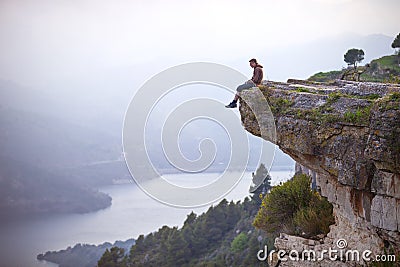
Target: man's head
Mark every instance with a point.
(253, 62)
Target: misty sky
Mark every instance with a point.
(43, 40)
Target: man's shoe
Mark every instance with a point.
(231, 105)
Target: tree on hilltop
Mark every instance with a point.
(396, 46)
(396, 42)
(354, 56)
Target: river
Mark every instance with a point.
(132, 213)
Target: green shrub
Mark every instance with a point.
(294, 208)
(394, 96)
(314, 219)
(333, 97)
(361, 115)
(371, 96)
(304, 90)
(239, 243)
(390, 102)
(280, 105)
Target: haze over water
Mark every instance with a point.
(131, 214)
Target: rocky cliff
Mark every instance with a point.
(348, 134)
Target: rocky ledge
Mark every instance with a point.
(348, 134)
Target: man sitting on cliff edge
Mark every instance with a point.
(255, 81)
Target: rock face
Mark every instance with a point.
(348, 135)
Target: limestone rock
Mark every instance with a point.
(347, 134)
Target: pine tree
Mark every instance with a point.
(261, 184)
(115, 257)
(354, 56)
(396, 46)
(177, 252)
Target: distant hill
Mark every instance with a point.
(383, 69)
(26, 191)
(47, 161)
(83, 255)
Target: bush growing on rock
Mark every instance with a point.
(293, 207)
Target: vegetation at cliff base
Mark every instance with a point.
(222, 236)
(113, 257)
(85, 255)
(225, 235)
(294, 208)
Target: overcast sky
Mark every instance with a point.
(47, 39)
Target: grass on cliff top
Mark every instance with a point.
(390, 102)
(388, 62)
(332, 97)
(395, 96)
(325, 113)
(361, 115)
(326, 76)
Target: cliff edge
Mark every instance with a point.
(348, 133)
